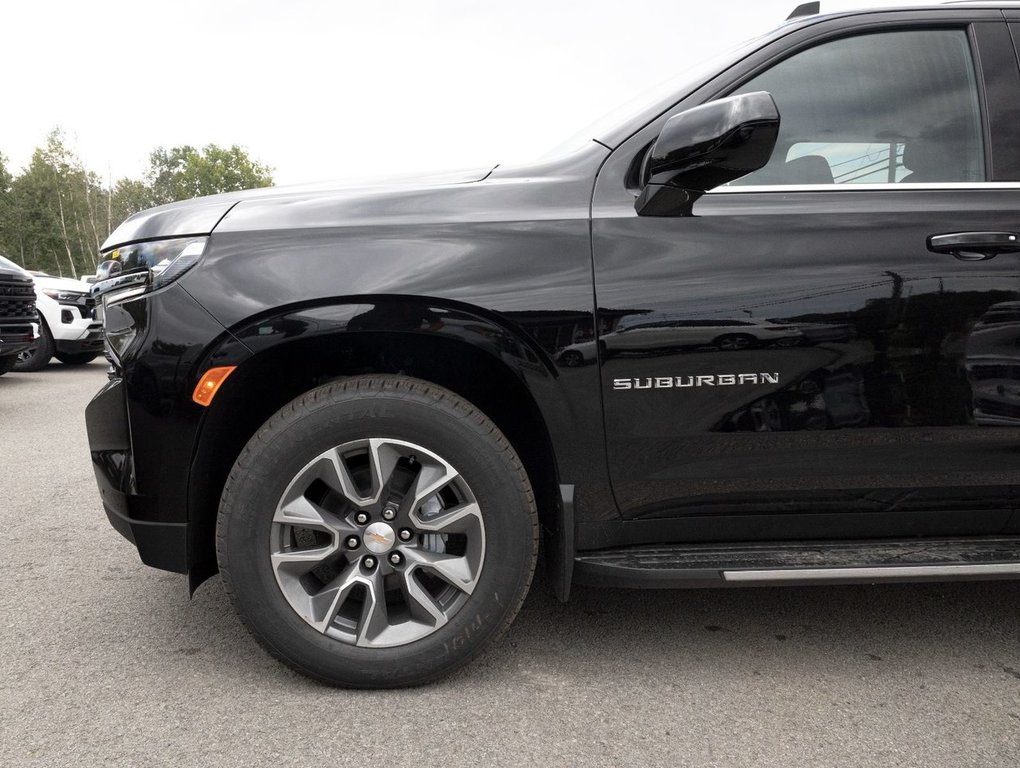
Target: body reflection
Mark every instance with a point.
(993, 365)
(867, 373)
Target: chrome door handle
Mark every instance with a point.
(975, 246)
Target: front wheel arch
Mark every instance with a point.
(265, 383)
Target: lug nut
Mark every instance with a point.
(369, 562)
(389, 513)
(352, 542)
(395, 558)
(361, 518)
(405, 534)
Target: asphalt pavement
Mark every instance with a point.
(104, 661)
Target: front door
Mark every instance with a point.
(800, 348)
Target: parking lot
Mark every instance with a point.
(106, 661)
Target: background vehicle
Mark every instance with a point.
(17, 314)
(655, 333)
(993, 367)
(354, 403)
(68, 328)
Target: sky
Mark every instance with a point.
(323, 90)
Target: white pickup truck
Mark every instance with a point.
(68, 328)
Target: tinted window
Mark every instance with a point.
(892, 107)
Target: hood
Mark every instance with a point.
(61, 283)
(9, 267)
(200, 216)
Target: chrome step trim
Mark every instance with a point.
(884, 572)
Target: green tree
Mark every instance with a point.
(59, 212)
(7, 229)
(56, 213)
(129, 197)
(183, 172)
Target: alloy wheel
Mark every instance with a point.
(377, 542)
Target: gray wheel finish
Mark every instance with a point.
(473, 545)
(36, 357)
(399, 574)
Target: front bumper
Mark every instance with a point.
(91, 341)
(160, 544)
(17, 338)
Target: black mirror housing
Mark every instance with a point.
(705, 147)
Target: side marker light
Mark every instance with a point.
(210, 384)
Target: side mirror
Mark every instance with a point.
(704, 147)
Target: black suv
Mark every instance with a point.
(18, 315)
(354, 403)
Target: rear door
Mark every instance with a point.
(853, 370)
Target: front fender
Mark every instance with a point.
(322, 340)
(545, 411)
(420, 316)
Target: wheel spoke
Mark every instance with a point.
(423, 607)
(300, 561)
(452, 569)
(433, 476)
(325, 603)
(375, 618)
(300, 512)
(464, 518)
(342, 477)
(383, 456)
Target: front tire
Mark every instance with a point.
(377, 532)
(36, 357)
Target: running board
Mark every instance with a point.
(718, 565)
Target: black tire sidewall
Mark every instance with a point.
(331, 417)
(41, 352)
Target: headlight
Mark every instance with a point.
(168, 259)
(69, 297)
(134, 269)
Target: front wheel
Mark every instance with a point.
(377, 532)
(37, 357)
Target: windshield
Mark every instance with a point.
(665, 94)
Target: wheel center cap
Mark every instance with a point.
(379, 538)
